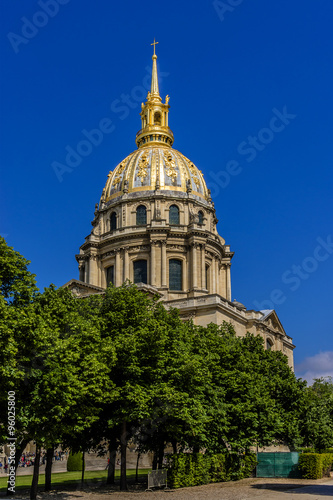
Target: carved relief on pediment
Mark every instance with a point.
(273, 324)
(78, 291)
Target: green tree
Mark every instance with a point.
(17, 284)
(152, 373)
(58, 366)
(317, 415)
(72, 382)
(17, 290)
(252, 394)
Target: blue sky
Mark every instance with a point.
(250, 85)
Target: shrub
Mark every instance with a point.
(327, 459)
(74, 462)
(201, 466)
(217, 468)
(186, 469)
(306, 450)
(315, 465)
(327, 450)
(248, 465)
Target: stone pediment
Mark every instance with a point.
(81, 289)
(271, 320)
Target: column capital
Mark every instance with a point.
(195, 244)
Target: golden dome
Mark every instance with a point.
(155, 166)
(152, 168)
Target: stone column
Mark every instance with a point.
(228, 279)
(203, 267)
(117, 270)
(217, 272)
(86, 270)
(213, 275)
(93, 271)
(163, 264)
(126, 264)
(194, 266)
(152, 263)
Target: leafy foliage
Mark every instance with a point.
(74, 462)
(17, 284)
(315, 465)
(121, 367)
(317, 414)
(186, 469)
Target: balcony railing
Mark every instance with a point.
(155, 129)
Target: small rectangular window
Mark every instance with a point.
(110, 275)
(140, 271)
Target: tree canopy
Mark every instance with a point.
(121, 367)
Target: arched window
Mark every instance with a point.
(269, 345)
(110, 275)
(174, 214)
(175, 274)
(113, 221)
(201, 217)
(141, 215)
(140, 271)
(157, 118)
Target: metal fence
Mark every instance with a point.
(278, 464)
(157, 479)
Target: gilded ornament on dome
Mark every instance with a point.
(120, 170)
(143, 167)
(170, 166)
(193, 171)
(192, 168)
(196, 182)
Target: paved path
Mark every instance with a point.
(247, 489)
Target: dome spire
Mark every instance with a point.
(154, 115)
(154, 76)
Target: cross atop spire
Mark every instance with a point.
(154, 78)
(155, 43)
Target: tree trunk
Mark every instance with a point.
(160, 455)
(123, 446)
(48, 468)
(19, 451)
(196, 449)
(34, 484)
(174, 446)
(137, 469)
(112, 463)
(154, 466)
(83, 467)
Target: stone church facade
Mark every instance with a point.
(155, 225)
